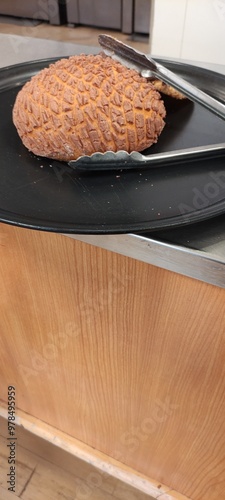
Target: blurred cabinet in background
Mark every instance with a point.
(141, 16)
(129, 16)
(53, 11)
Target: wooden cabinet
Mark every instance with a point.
(124, 356)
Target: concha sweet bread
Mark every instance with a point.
(167, 89)
(87, 103)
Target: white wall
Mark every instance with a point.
(188, 29)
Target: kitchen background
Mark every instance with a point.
(185, 29)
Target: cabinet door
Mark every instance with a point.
(72, 11)
(127, 16)
(142, 16)
(100, 13)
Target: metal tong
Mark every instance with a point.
(149, 68)
(121, 160)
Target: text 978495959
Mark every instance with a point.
(11, 438)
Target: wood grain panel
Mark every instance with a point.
(124, 356)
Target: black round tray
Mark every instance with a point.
(47, 195)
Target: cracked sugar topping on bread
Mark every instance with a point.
(85, 104)
(167, 90)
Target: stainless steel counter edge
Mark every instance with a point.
(188, 262)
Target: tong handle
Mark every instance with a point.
(197, 152)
